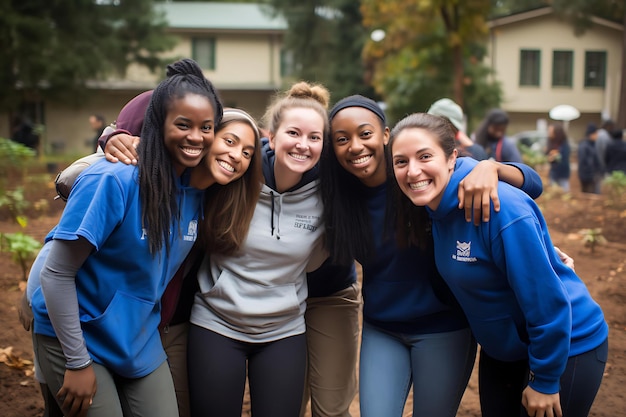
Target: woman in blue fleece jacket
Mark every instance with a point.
(537, 325)
(97, 310)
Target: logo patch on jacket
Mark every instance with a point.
(306, 222)
(192, 231)
(463, 250)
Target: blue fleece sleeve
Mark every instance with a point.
(532, 181)
(523, 250)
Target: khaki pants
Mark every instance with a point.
(174, 340)
(332, 331)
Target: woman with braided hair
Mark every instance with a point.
(116, 247)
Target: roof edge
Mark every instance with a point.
(544, 11)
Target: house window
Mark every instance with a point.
(595, 68)
(529, 67)
(286, 63)
(203, 52)
(562, 68)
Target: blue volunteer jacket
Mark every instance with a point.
(520, 299)
(120, 285)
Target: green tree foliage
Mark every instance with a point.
(508, 7)
(432, 49)
(325, 39)
(52, 48)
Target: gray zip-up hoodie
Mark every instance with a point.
(259, 295)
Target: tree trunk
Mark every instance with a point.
(621, 110)
(459, 74)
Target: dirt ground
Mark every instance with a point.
(603, 270)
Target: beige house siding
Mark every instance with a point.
(542, 30)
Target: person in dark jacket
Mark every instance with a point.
(589, 167)
(23, 131)
(491, 135)
(615, 157)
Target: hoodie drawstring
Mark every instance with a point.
(272, 214)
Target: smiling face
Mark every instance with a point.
(421, 166)
(359, 138)
(188, 130)
(231, 152)
(297, 144)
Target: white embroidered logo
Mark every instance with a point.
(144, 234)
(463, 252)
(192, 231)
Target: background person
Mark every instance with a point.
(616, 153)
(97, 122)
(491, 135)
(447, 108)
(605, 135)
(23, 132)
(589, 168)
(558, 154)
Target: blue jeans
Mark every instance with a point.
(438, 365)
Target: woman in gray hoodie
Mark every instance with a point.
(248, 317)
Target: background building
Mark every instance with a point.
(542, 63)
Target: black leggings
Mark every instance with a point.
(501, 384)
(217, 375)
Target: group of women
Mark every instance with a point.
(246, 247)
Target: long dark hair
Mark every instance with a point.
(494, 117)
(157, 181)
(413, 222)
(346, 215)
(558, 137)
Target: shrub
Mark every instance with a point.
(615, 184)
(13, 159)
(531, 157)
(16, 203)
(23, 249)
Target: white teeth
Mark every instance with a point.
(226, 166)
(419, 185)
(298, 156)
(192, 151)
(361, 159)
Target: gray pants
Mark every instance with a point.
(149, 396)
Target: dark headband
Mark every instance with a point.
(357, 101)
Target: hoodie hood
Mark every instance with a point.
(268, 168)
(450, 200)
